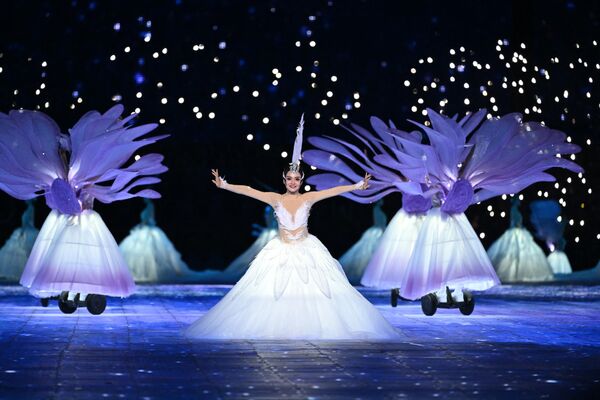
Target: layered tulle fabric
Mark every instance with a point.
(14, 253)
(79, 254)
(517, 257)
(447, 253)
(151, 256)
(293, 290)
(559, 262)
(388, 264)
(40, 248)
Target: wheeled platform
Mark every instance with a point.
(95, 303)
(430, 303)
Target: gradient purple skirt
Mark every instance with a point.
(388, 264)
(79, 254)
(447, 253)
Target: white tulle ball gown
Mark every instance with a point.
(149, 253)
(559, 262)
(355, 260)
(14, 253)
(294, 289)
(516, 256)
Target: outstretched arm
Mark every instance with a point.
(265, 197)
(336, 191)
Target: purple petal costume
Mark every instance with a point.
(75, 250)
(465, 162)
(473, 161)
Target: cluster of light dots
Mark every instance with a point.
(333, 106)
(313, 83)
(39, 91)
(326, 85)
(477, 81)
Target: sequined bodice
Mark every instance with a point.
(292, 226)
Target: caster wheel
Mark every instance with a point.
(44, 302)
(67, 307)
(95, 303)
(429, 304)
(395, 294)
(468, 306)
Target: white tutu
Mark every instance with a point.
(151, 256)
(388, 264)
(14, 253)
(293, 291)
(78, 254)
(447, 253)
(559, 262)
(518, 258)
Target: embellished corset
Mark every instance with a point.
(292, 227)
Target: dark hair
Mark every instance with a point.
(287, 169)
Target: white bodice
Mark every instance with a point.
(292, 226)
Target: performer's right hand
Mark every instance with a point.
(217, 179)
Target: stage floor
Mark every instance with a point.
(520, 342)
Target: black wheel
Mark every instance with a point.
(429, 304)
(95, 303)
(395, 294)
(468, 306)
(44, 302)
(67, 307)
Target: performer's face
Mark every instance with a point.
(292, 182)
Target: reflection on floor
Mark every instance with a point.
(521, 342)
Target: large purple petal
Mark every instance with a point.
(459, 198)
(415, 204)
(62, 197)
(29, 158)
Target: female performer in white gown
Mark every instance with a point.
(294, 289)
(14, 253)
(516, 256)
(150, 255)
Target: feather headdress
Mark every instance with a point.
(296, 154)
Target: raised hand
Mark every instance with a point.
(366, 180)
(217, 180)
